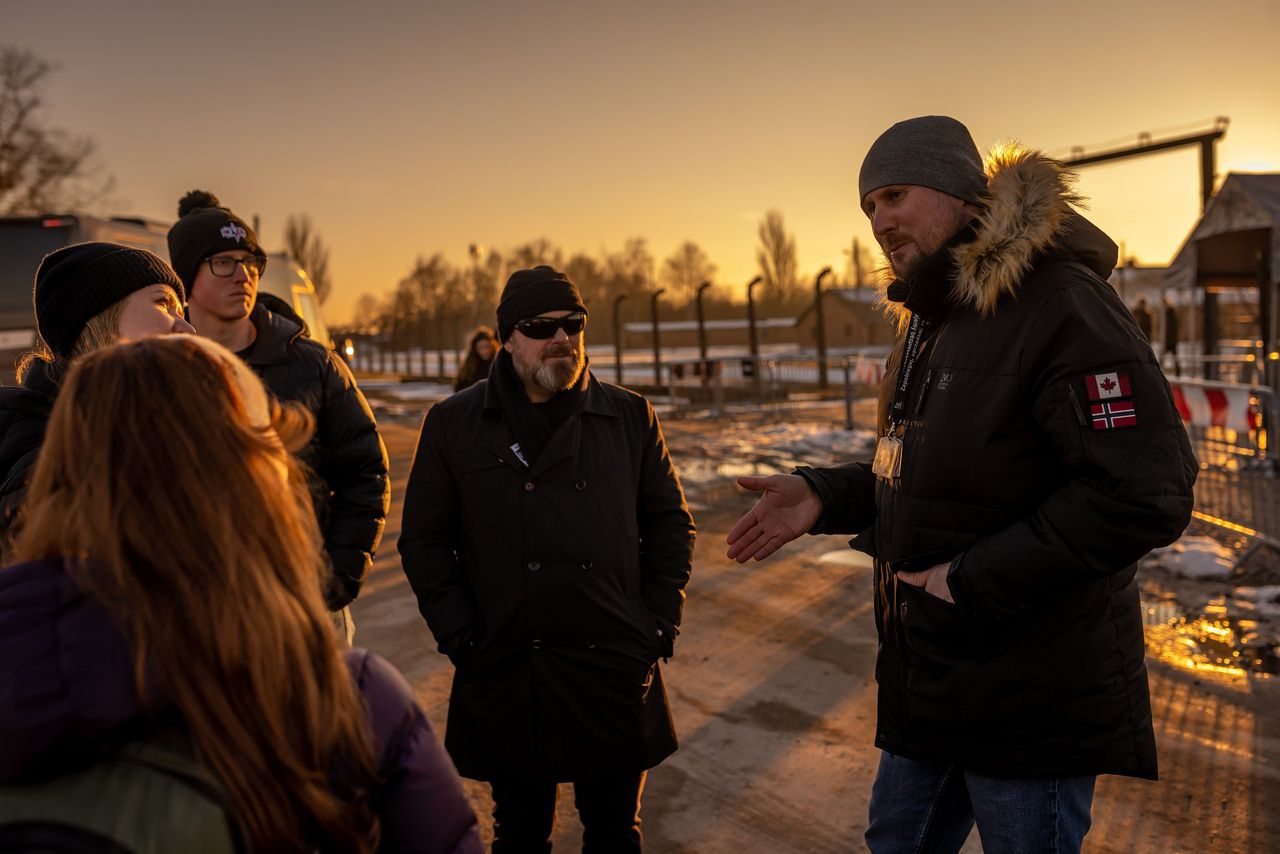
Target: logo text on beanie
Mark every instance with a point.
(235, 231)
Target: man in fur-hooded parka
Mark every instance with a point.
(1039, 456)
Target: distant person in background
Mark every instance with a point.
(1171, 334)
(87, 296)
(1143, 317)
(170, 677)
(480, 353)
(218, 258)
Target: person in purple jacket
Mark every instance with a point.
(168, 625)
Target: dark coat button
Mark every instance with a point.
(535, 644)
(534, 566)
(528, 486)
(586, 564)
(580, 485)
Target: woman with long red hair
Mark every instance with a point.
(170, 605)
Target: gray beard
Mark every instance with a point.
(553, 377)
(556, 377)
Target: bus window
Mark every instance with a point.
(22, 244)
(304, 302)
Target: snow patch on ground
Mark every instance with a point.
(1201, 558)
(406, 391)
(717, 457)
(1265, 600)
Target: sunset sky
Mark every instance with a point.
(411, 128)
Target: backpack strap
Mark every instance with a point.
(149, 796)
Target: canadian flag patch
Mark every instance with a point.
(1108, 385)
(1113, 416)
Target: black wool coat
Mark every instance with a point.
(548, 586)
(1042, 457)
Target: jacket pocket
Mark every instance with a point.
(938, 632)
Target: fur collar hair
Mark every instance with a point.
(1027, 213)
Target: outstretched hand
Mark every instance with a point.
(787, 509)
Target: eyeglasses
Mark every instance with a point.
(222, 266)
(545, 327)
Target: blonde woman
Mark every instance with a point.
(87, 296)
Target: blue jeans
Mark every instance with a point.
(926, 807)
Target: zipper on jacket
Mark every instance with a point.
(928, 381)
(1075, 405)
(905, 666)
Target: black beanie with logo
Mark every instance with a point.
(76, 283)
(205, 228)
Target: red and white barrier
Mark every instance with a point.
(868, 370)
(1230, 407)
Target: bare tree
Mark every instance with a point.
(427, 285)
(534, 253)
(631, 270)
(488, 271)
(586, 272)
(776, 257)
(687, 268)
(862, 268)
(42, 169)
(367, 312)
(305, 246)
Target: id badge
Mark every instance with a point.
(888, 460)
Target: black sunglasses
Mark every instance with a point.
(545, 327)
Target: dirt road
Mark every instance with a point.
(773, 695)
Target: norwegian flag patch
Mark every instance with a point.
(1113, 416)
(1108, 385)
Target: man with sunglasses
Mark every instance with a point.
(218, 258)
(529, 500)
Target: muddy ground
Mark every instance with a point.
(773, 694)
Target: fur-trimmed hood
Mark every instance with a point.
(1029, 215)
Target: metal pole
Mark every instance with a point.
(822, 327)
(440, 336)
(459, 323)
(1265, 286)
(423, 322)
(751, 330)
(657, 352)
(617, 337)
(1208, 168)
(857, 267)
(702, 332)
(848, 394)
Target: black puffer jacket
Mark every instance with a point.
(24, 414)
(1022, 470)
(346, 453)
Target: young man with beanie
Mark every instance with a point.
(547, 539)
(86, 296)
(219, 259)
(1029, 455)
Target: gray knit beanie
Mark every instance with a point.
(929, 151)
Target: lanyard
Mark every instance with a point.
(910, 355)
